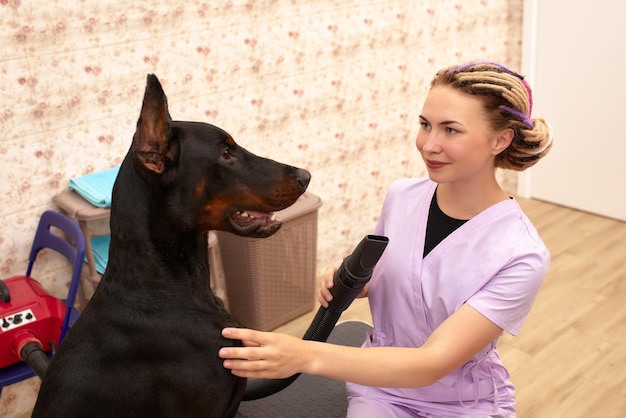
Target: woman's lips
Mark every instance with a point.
(433, 165)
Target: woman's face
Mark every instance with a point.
(455, 138)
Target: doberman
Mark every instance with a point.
(146, 344)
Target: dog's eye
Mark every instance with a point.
(226, 154)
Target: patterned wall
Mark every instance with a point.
(334, 86)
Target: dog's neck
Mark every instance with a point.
(147, 255)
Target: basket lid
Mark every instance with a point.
(306, 203)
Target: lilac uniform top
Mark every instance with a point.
(495, 262)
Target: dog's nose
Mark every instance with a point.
(303, 177)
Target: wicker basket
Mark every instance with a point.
(271, 281)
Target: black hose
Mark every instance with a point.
(33, 354)
(351, 276)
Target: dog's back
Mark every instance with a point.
(146, 344)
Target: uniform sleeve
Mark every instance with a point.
(506, 299)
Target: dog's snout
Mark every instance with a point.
(303, 177)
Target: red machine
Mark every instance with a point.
(28, 314)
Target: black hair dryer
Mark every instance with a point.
(351, 276)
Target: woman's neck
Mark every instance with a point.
(464, 201)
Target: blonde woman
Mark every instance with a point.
(463, 265)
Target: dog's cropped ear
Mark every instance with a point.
(152, 147)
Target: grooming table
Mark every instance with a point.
(310, 396)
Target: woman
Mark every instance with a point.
(463, 264)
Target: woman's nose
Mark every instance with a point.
(429, 143)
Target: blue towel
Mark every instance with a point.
(100, 250)
(97, 187)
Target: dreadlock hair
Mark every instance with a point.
(507, 101)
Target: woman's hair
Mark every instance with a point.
(507, 100)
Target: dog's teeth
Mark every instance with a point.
(274, 217)
(245, 214)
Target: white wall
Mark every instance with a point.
(575, 58)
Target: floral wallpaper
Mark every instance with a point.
(334, 86)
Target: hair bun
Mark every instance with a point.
(527, 147)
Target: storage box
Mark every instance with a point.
(270, 281)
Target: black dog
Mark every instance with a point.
(146, 344)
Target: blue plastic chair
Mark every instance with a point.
(74, 251)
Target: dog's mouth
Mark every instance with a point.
(255, 224)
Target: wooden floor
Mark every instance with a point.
(569, 360)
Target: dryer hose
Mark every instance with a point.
(349, 279)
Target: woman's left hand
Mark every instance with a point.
(266, 355)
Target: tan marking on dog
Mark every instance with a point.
(200, 188)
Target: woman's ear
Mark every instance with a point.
(503, 140)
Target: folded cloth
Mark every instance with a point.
(97, 187)
(100, 250)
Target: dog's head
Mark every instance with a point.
(204, 179)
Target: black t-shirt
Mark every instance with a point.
(439, 226)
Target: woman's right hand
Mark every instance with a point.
(323, 293)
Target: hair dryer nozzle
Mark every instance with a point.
(355, 271)
(365, 256)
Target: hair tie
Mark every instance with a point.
(475, 63)
(527, 121)
(530, 95)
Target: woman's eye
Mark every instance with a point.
(451, 131)
(424, 125)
